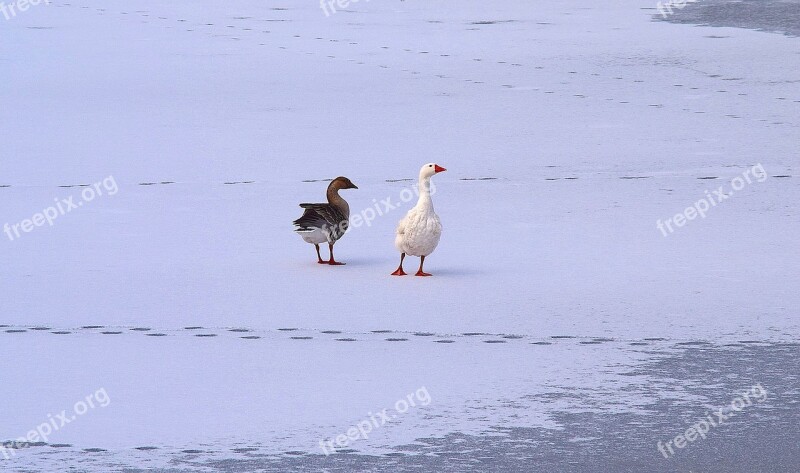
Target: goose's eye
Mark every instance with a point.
(430, 165)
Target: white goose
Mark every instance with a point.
(419, 231)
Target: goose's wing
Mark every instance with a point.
(311, 219)
(325, 217)
(402, 225)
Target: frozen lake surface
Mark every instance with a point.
(582, 312)
(774, 16)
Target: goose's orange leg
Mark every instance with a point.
(319, 257)
(332, 261)
(399, 271)
(421, 272)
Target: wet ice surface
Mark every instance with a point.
(561, 331)
(763, 438)
(772, 16)
(612, 426)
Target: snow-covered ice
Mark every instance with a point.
(568, 130)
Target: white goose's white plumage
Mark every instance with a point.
(419, 231)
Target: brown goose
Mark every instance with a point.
(322, 223)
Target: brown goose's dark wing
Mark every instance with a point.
(311, 219)
(324, 217)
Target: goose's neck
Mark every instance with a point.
(425, 193)
(337, 201)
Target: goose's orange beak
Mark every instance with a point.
(438, 168)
